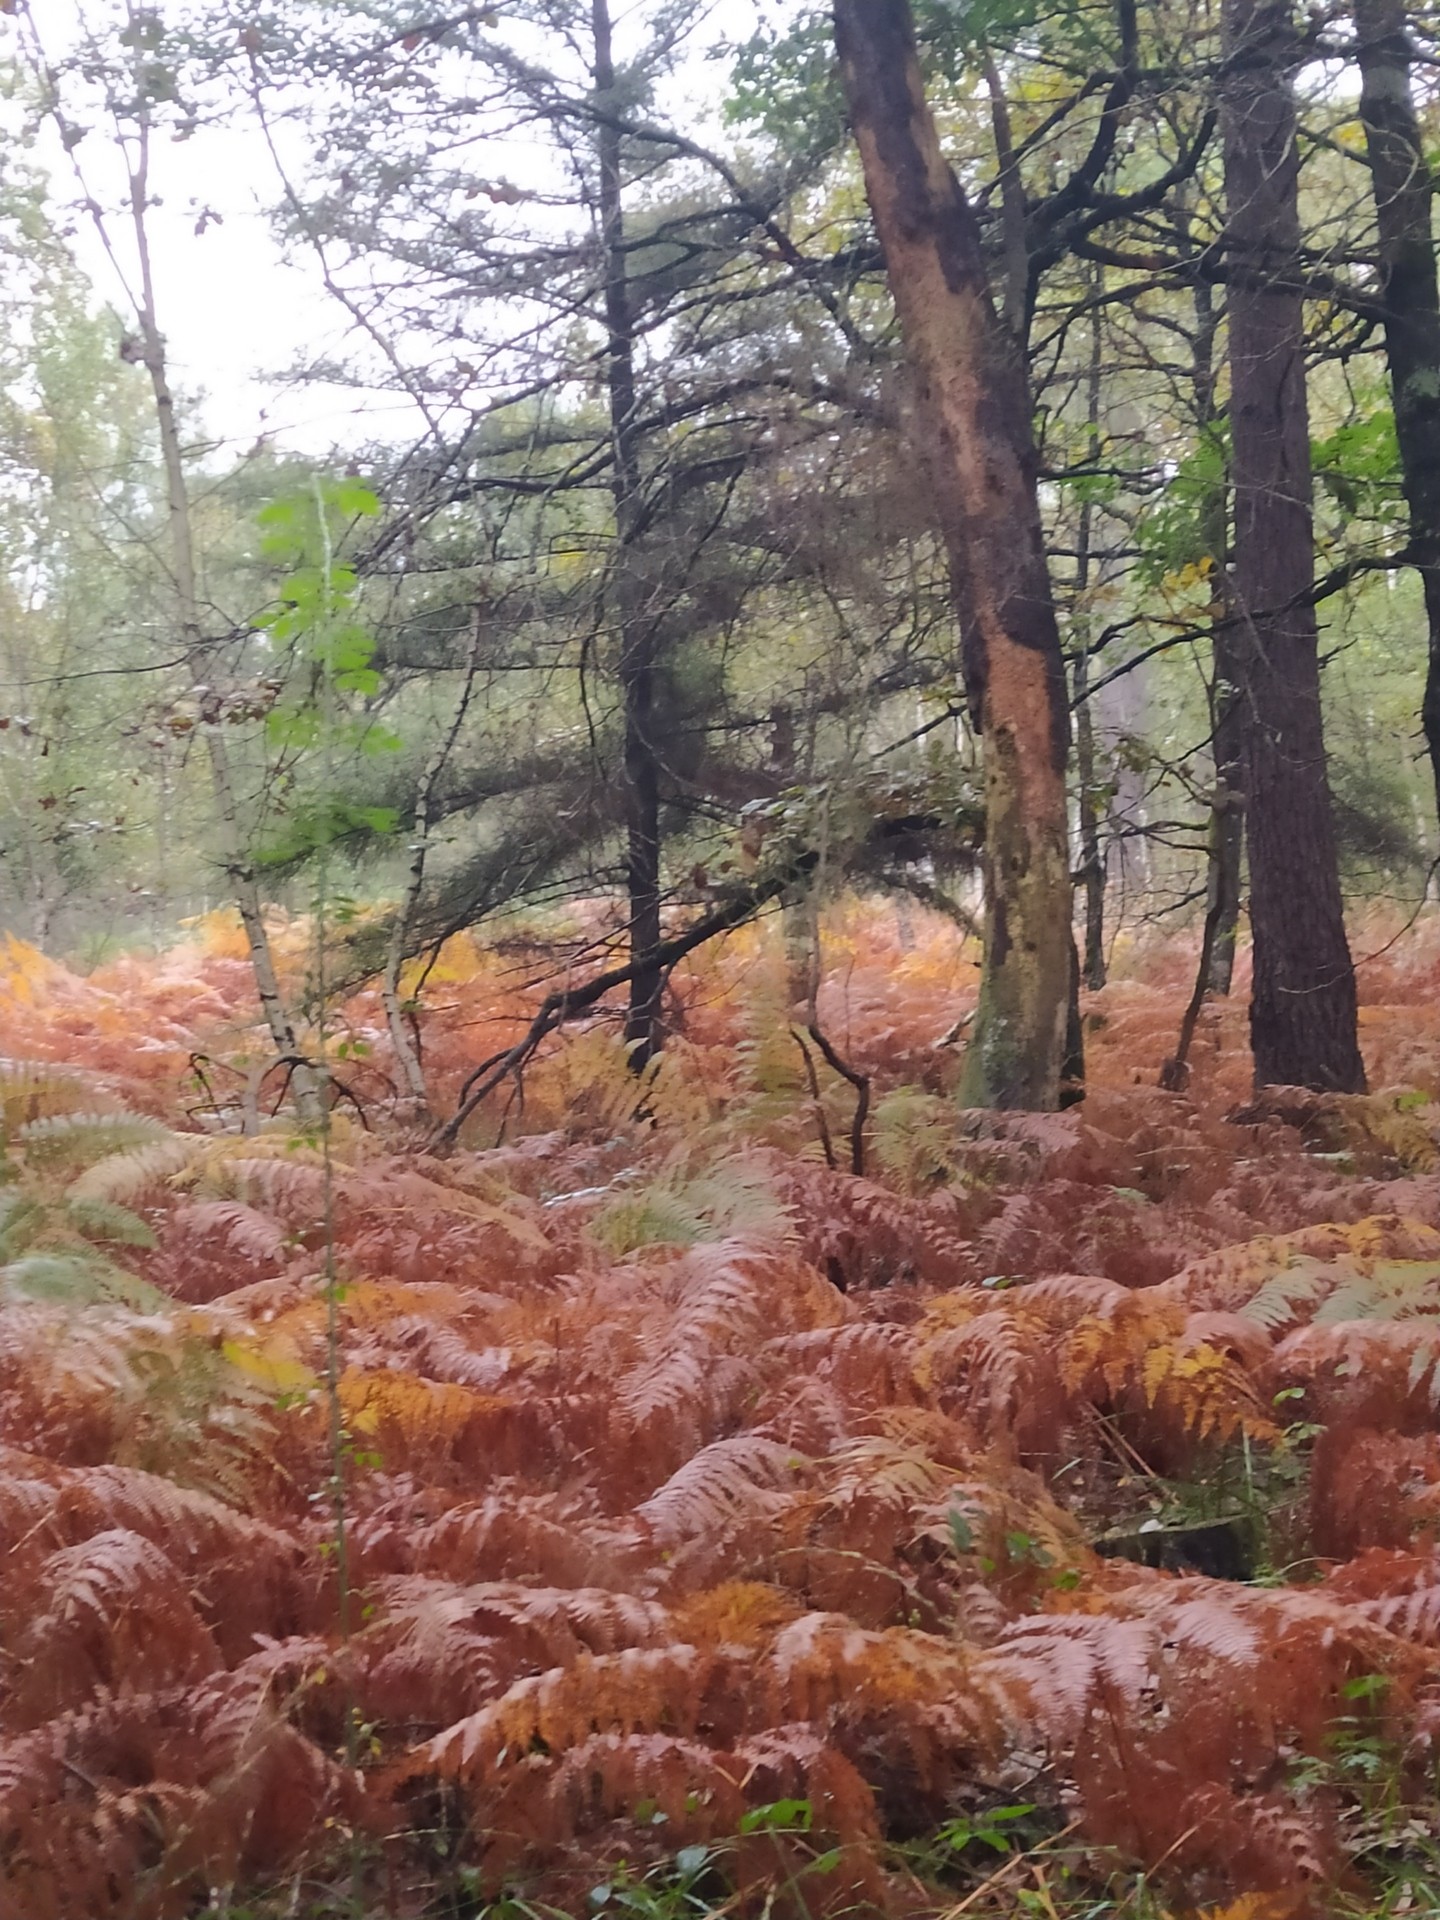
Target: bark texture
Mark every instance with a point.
(1404, 189)
(1302, 1010)
(638, 627)
(974, 416)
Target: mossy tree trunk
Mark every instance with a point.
(973, 411)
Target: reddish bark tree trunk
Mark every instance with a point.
(973, 411)
(1302, 1009)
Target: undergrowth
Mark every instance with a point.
(1042, 1519)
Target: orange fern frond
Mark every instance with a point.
(116, 1614)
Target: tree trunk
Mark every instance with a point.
(1227, 730)
(1302, 1009)
(1092, 853)
(973, 406)
(1403, 189)
(236, 860)
(403, 1042)
(638, 630)
(1226, 857)
(1091, 808)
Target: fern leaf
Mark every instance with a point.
(127, 1173)
(105, 1220)
(116, 1615)
(76, 1280)
(727, 1481)
(71, 1138)
(632, 1693)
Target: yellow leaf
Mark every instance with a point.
(272, 1367)
(1256, 1906)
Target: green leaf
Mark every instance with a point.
(780, 1816)
(962, 1534)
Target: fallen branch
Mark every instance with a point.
(567, 1002)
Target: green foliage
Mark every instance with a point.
(325, 704)
(311, 824)
(1358, 465)
(783, 82)
(915, 1139)
(728, 1200)
(317, 597)
(1179, 531)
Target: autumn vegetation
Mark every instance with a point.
(720, 1024)
(639, 1482)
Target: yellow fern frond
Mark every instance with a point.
(418, 1414)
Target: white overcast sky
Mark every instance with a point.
(236, 313)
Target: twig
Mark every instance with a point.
(822, 1122)
(567, 1002)
(861, 1083)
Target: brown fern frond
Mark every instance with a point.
(135, 1807)
(862, 1234)
(1378, 1133)
(1372, 1488)
(1229, 1281)
(729, 1480)
(999, 1369)
(1373, 1373)
(116, 1615)
(511, 1536)
(286, 1183)
(867, 1364)
(822, 1661)
(1399, 1591)
(544, 1805)
(723, 1299)
(668, 1689)
(696, 1791)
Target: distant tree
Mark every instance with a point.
(1404, 196)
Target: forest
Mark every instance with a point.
(719, 960)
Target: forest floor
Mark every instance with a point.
(652, 1514)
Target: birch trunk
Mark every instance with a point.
(235, 861)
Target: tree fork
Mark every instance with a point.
(973, 407)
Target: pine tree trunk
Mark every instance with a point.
(973, 408)
(1302, 1010)
(1403, 188)
(638, 629)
